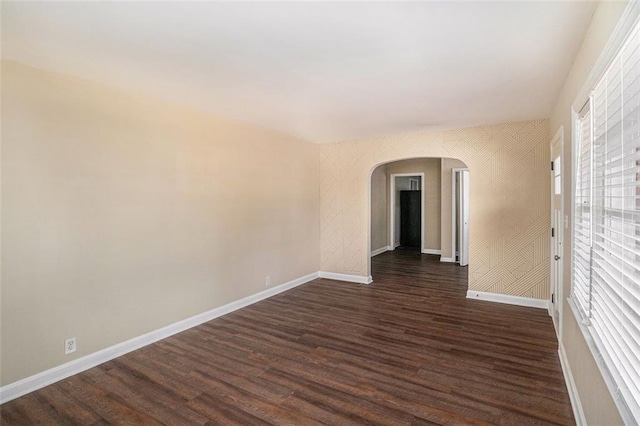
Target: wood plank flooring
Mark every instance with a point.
(407, 349)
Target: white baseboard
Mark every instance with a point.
(45, 378)
(431, 251)
(510, 300)
(396, 245)
(344, 277)
(576, 404)
(380, 250)
(447, 259)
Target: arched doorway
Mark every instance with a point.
(442, 222)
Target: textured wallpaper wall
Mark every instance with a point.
(379, 208)
(509, 201)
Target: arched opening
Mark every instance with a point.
(441, 185)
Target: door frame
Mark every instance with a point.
(392, 204)
(557, 287)
(454, 213)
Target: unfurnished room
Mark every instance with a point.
(300, 213)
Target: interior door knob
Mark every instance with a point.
(556, 257)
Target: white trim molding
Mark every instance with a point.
(380, 250)
(345, 277)
(455, 250)
(447, 259)
(576, 404)
(507, 299)
(555, 283)
(47, 377)
(584, 326)
(431, 251)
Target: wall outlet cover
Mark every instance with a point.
(69, 346)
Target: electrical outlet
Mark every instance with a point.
(267, 282)
(69, 346)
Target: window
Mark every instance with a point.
(581, 290)
(557, 176)
(606, 242)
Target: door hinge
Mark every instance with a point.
(552, 166)
(553, 232)
(553, 298)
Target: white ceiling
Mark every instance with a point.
(320, 71)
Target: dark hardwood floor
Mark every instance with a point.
(407, 349)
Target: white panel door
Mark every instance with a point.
(557, 230)
(463, 217)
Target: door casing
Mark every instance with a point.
(392, 204)
(457, 217)
(558, 224)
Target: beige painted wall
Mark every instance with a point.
(446, 223)
(431, 193)
(379, 208)
(509, 214)
(122, 215)
(597, 403)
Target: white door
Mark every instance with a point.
(463, 217)
(557, 229)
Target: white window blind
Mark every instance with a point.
(582, 219)
(606, 249)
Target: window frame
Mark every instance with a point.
(627, 25)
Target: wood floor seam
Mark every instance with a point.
(408, 349)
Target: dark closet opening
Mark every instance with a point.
(410, 217)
